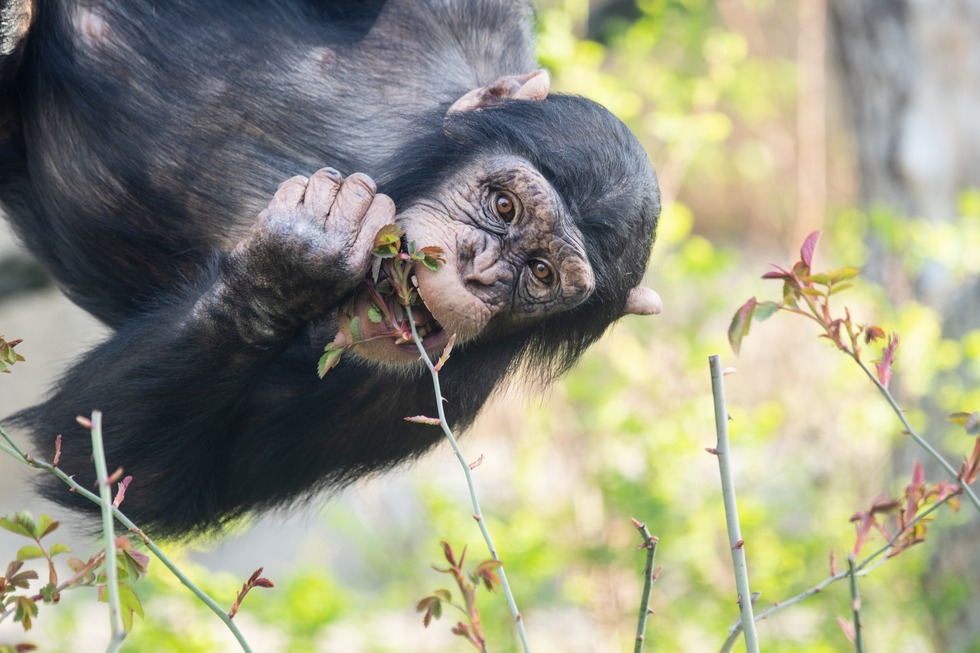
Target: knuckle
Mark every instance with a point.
(298, 180)
(360, 181)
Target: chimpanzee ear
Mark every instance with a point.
(532, 86)
(643, 301)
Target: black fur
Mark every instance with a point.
(138, 155)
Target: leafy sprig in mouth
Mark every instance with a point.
(390, 286)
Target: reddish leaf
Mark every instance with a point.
(970, 468)
(884, 366)
(739, 328)
(872, 333)
(809, 246)
(432, 607)
(486, 572)
(780, 273)
(847, 628)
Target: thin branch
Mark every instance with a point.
(735, 540)
(855, 604)
(477, 513)
(863, 569)
(133, 528)
(89, 566)
(108, 534)
(649, 578)
(919, 440)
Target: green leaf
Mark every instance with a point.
(843, 274)
(58, 548)
(50, 593)
(764, 311)
(355, 329)
(374, 314)
(26, 611)
(444, 595)
(29, 553)
(330, 359)
(130, 605)
(969, 421)
(820, 279)
(387, 243)
(45, 525)
(21, 523)
(839, 288)
(432, 257)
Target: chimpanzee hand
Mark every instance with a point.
(312, 245)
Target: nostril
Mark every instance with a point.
(482, 277)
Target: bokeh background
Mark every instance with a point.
(765, 120)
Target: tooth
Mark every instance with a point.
(415, 281)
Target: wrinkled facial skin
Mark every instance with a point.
(513, 254)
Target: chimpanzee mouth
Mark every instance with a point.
(430, 332)
(381, 314)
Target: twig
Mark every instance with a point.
(731, 508)
(108, 534)
(89, 566)
(919, 440)
(650, 577)
(19, 454)
(855, 604)
(477, 513)
(863, 569)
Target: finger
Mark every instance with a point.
(290, 192)
(380, 213)
(322, 191)
(355, 197)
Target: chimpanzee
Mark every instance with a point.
(140, 144)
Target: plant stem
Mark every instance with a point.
(108, 533)
(650, 577)
(731, 508)
(133, 528)
(81, 573)
(477, 513)
(919, 440)
(863, 569)
(855, 604)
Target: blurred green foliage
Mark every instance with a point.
(624, 434)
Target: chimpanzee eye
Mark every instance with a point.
(541, 271)
(505, 205)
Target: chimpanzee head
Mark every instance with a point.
(545, 209)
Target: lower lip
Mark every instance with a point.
(429, 342)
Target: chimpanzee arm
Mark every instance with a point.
(174, 383)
